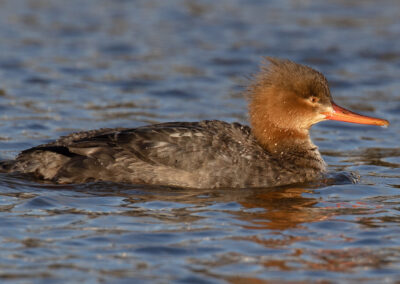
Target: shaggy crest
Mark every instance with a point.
(288, 75)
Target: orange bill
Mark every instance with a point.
(342, 114)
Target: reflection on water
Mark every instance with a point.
(73, 65)
(236, 235)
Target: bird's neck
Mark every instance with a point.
(278, 140)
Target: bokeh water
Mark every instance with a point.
(78, 65)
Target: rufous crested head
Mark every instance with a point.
(287, 98)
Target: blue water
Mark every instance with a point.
(76, 65)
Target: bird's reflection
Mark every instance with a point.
(262, 208)
(283, 208)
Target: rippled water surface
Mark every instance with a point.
(78, 65)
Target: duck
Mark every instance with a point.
(285, 100)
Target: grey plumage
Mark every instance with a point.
(206, 154)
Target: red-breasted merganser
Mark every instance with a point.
(286, 99)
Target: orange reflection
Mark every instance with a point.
(284, 208)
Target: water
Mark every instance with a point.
(78, 65)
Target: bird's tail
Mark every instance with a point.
(6, 166)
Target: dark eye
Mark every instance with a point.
(313, 99)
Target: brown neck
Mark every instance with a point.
(276, 139)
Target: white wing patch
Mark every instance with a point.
(160, 144)
(177, 134)
(186, 134)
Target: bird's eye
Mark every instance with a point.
(313, 99)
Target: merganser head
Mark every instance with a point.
(291, 97)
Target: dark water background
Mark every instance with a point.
(78, 65)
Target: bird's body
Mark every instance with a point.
(285, 100)
(224, 155)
